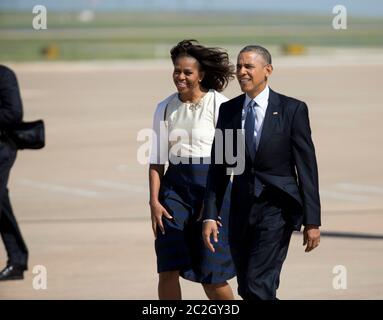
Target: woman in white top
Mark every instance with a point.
(184, 126)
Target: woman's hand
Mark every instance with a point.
(209, 228)
(157, 211)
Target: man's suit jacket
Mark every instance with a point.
(11, 113)
(285, 162)
(11, 108)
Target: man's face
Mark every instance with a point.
(252, 72)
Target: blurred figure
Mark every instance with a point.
(176, 197)
(11, 113)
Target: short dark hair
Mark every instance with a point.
(259, 50)
(213, 61)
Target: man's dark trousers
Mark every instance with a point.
(13, 241)
(260, 250)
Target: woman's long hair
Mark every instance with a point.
(213, 61)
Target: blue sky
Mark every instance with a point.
(354, 7)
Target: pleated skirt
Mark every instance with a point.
(181, 247)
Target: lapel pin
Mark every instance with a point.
(275, 113)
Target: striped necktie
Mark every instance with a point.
(250, 129)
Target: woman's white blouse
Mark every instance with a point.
(182, 131)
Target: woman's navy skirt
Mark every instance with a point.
(181, 247)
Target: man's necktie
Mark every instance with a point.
(250, 128)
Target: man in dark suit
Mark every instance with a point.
(11, 113)
(277, 191)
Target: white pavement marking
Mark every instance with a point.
(126, 187)
(120, 186)
(360, 188)
(122, 167)
(60, 189)
(342, 196)
(33, 93)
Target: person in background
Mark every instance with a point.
(11, 113)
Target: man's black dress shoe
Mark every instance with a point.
(12, 272)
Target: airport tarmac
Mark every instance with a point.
(82, 202)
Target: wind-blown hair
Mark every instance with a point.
(213, 61)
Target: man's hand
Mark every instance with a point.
(311, 237)
(208, 228)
